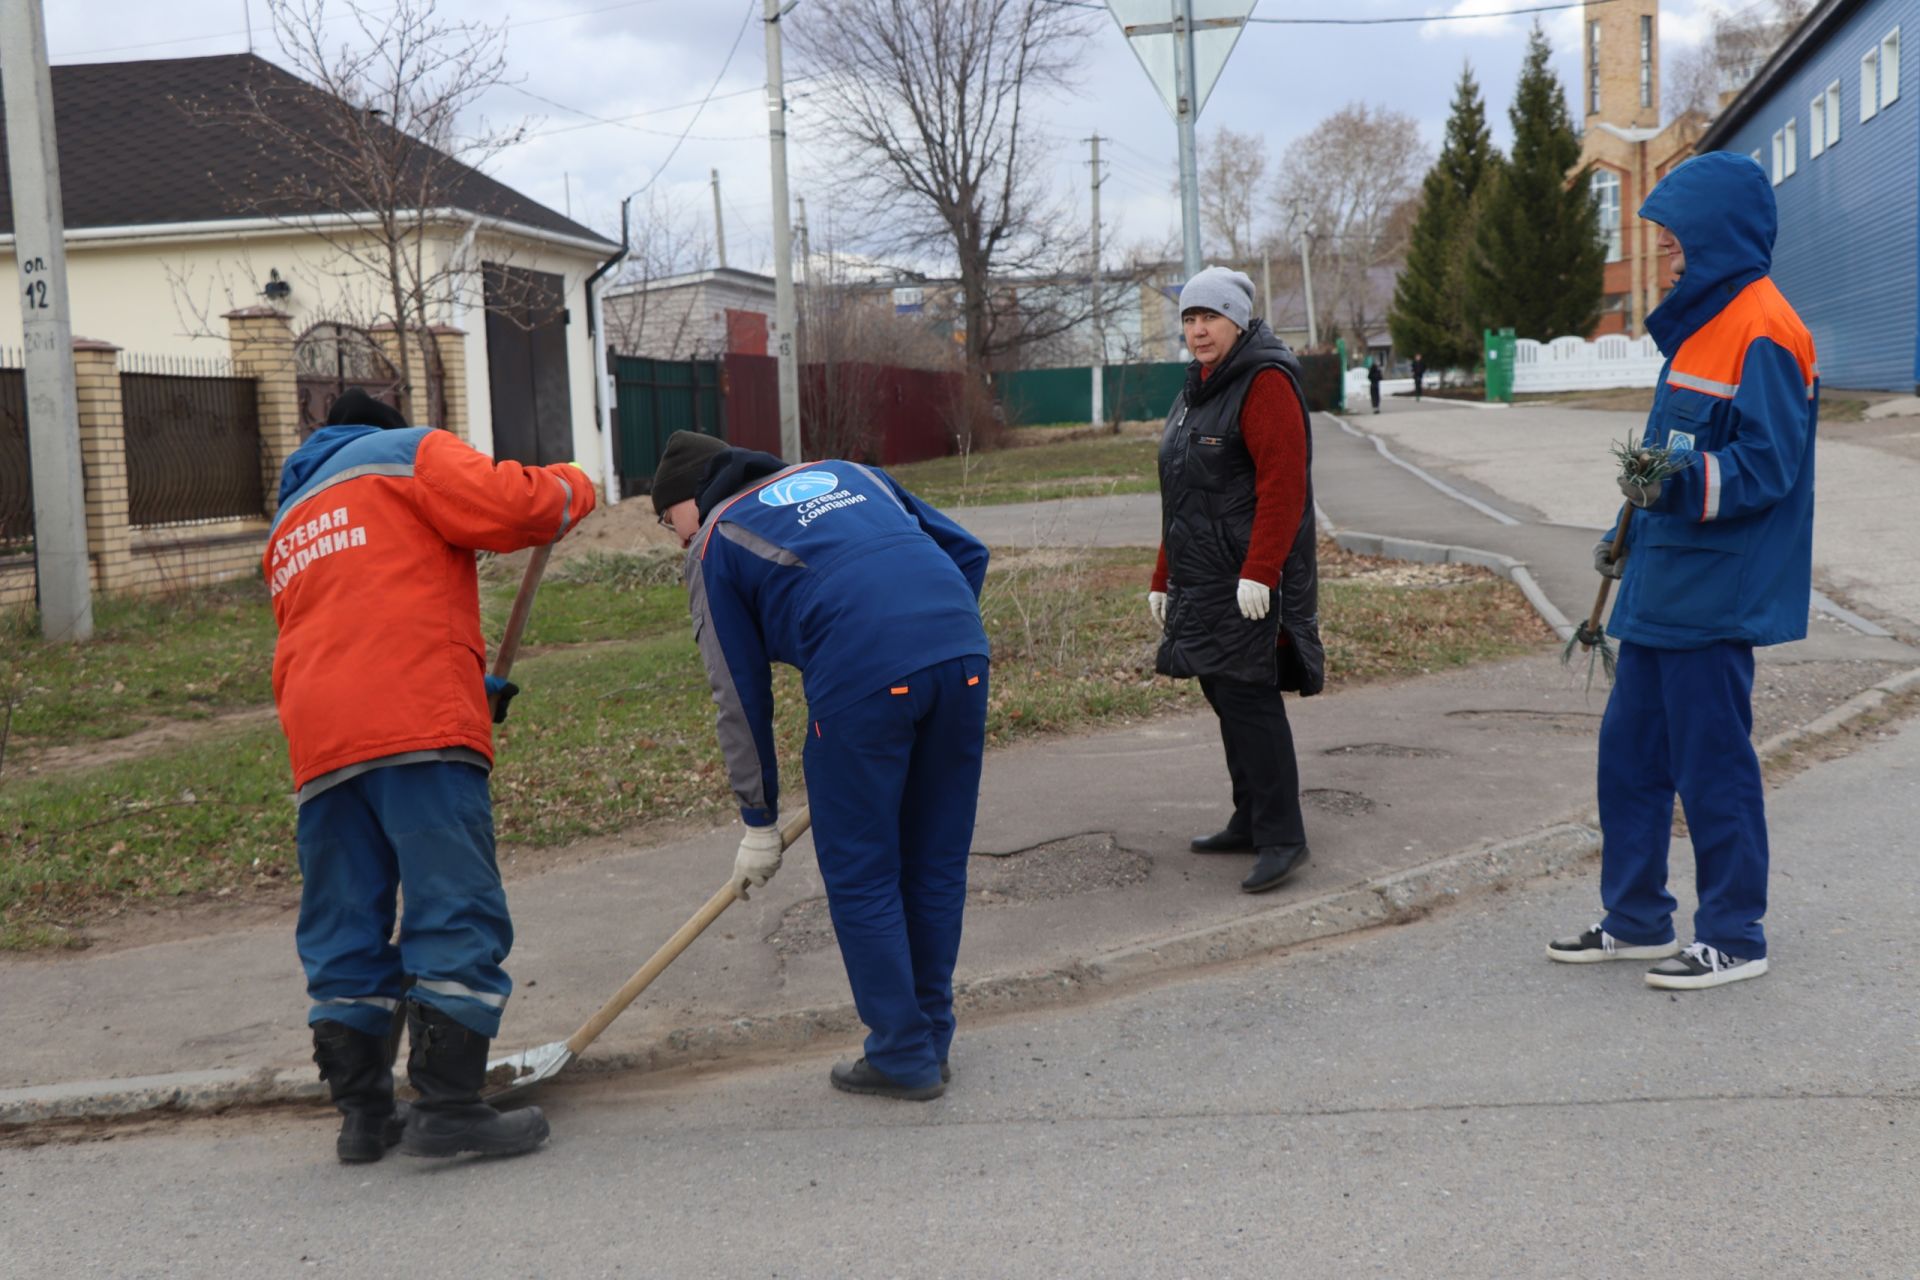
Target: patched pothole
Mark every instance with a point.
(1389, 750)
(1067, 868)
(1581, 722)
(1345, 804)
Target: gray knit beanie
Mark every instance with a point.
(683, 464)
(1220, 289)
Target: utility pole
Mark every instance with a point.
(806, 245)
(1266, 284)
(1306, 282)
(719, 220)
(1188, 112)
(1099, 397)
(40, 250)
(783, 301)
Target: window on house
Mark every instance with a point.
(1646, 60)
(1817, 126)
(1890, 67)
(1593, 68)
(1833, 113)
(1779, 157)
(1869, 84)
(1606, 196)
(1792, 132)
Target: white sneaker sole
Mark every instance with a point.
(1719, 978)
(1623, 951)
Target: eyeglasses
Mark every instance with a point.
(666, 522)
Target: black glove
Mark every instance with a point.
(500, 693)
(1614, 570)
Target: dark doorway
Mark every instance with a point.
(527, 365)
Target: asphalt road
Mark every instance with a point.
(1432, 1100)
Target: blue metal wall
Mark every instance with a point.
(1848, 256)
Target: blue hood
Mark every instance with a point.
(313, 455)
(1720, 208)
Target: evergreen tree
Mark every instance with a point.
(1429, 315)
(1538, 257)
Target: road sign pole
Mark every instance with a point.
(1189, 110)
(40, 254)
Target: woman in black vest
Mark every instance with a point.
(1237, 522)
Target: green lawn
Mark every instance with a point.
(614, 727)
(1070, 469)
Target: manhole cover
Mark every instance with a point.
(1391, 750)
(1057, 869)
(1581, 722)
(1347, 804)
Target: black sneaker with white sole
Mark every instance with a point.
(1596, 944)
(1701, 966)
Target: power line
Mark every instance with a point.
(745, 19)
(621, 122)
(1378, 22)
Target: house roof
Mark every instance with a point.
(750, 280)
(153, 143)
(1805, 40)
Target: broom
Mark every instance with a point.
(1641, 468)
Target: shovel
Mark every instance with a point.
(520, 1071)
(517, 622)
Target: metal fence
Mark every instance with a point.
(16, 466)
(193, 442)
(655, 399)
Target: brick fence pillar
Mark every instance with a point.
(261, 340)
(452, 344)
(103, 460)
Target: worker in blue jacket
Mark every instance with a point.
(1719, 559)
(834, 568)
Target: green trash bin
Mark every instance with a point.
(1499, 345)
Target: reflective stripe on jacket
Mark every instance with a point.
(371, 569)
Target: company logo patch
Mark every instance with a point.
(1680, 441)
(799, 487)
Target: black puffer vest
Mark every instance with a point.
(1207, 502)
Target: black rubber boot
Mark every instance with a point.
(359, 1076)
(861, 1077)
(448, 1065)
(1275, 863)
(1230, 840)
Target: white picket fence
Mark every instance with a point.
(1572, 364)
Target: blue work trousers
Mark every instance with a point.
(893, 781)
(427, 829)
(1681, 721)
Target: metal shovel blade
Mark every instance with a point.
(518, 1071)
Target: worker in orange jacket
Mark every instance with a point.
(380, 680)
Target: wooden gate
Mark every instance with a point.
(657, 398)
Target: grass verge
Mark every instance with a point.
(1070, 469)
(615, 728)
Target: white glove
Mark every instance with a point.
(1157, 606)
(1255, 599)
(758, 859)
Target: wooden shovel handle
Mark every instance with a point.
(683, 937)
(522, 609)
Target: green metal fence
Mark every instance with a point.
(657, 398)
(1039, 397)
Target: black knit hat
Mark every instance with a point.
(683, 463)
(355, 408)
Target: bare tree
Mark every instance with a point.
(368, 144)
(1350, 181)
(1233, 169)
(670, 238)
(927, 103)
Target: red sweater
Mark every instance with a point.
(1276, 436)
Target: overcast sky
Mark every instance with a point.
(614, 60)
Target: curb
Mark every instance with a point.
(1394, 899)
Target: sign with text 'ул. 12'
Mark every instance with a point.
(1149, 28)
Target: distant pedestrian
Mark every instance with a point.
(379, 675)
(1719, 559)
(1419, 376)
(873, 595)
(1237, 522)
(1373, 382)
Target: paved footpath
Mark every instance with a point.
(1092, 876)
